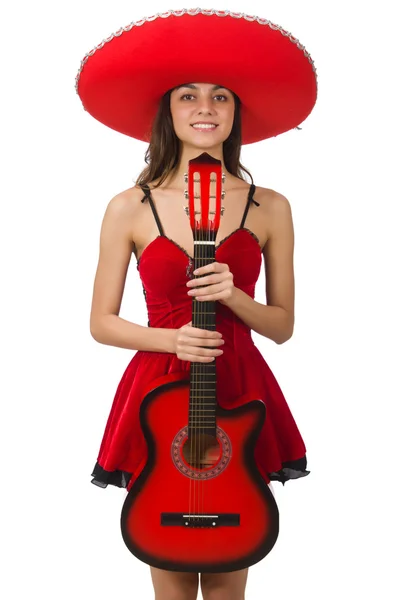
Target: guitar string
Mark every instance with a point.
(205, 366)
(206, 382)
(192, 405)
(199, 415)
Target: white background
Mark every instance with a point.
(60, 168)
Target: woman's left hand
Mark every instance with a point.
(217, 281)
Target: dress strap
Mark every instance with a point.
(148, 195)
(249, 200)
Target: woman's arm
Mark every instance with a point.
(274, 320)
(115, 251)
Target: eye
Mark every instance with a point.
(186, 95)
(221, 96)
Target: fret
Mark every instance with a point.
(204, 415)
(212, 372)
(196, 414)
(205, 418)
(195, 388)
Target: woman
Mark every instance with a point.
(203, 115)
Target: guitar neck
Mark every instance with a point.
(203, 397)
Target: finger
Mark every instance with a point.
(207, 290)
(214, 266)
(194, 358)
(213, 297)
(205, 342)
(195, 332)
(199, 351)
(204, 280)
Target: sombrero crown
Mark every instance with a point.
(121, 81)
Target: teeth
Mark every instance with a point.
(204, 126)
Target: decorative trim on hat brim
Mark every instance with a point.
(193, 12)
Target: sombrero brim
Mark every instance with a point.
(121, 81)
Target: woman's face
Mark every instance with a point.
(206, 103)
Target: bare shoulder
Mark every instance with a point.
(123, 209)
(271, 208)
(272, 201)
(275, 209)
(127, 198)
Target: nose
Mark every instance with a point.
(205, 105)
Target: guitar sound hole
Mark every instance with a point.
(201, 451)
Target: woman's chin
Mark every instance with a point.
(205, 142)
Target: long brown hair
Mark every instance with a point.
(163, 152)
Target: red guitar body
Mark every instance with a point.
(237, 519)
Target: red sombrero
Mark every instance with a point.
(120, 82)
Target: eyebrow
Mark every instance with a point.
(194, 87)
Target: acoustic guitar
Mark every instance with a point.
(199, 503)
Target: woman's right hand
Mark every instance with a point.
(188, 342)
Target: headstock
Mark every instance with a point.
(204, 179)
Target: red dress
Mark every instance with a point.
(164, 268)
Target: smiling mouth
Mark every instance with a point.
(204, 127)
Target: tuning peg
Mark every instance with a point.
(186, 193)
(212, 212)
(186, 209)
(223, 178)
(223, 194)
(185, 176)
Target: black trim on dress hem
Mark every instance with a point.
(294, 469)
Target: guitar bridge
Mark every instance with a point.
(202, 520)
